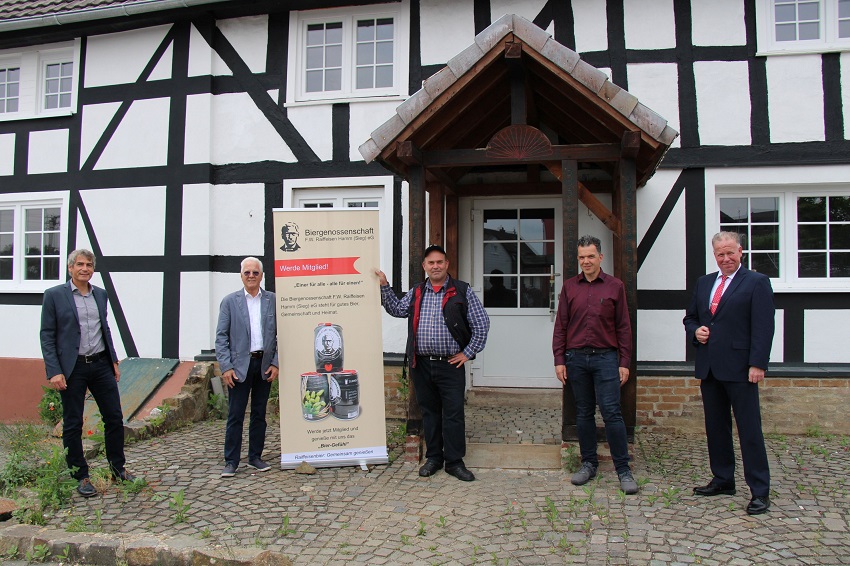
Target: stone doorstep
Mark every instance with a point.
(135, 550)
(534, 398)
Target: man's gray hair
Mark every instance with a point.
(588, 240)
(722, 235)
(72, 257)
(250, 258)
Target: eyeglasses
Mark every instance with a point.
(250, 273)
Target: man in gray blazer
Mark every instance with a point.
(79, 355)
(246, 350)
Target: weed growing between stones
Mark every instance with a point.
(179, 506)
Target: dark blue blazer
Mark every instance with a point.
(60, 329)
(741, 329)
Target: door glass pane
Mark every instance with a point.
(500, 256)
(537, 257)
(534, 292)
(500, 292)
(537, 224)
(499, 224)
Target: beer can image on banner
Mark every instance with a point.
(315, 396)
(345, 394)
(328, 346)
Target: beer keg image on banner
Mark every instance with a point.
(315, 396)
(345, 394)
(328, 346)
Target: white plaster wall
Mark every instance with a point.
(162, 70)
(48, 152)
(95, 118)
(664, 267)
(82, 240)
(314, 122)
(394, 330)
(241, 134)
(528, 9)
(795, 102)
(777, 353)
(845, 92)
(116, 334)
(823, 343)
(198, 128)
(723, 102)
(140, 295)
(21, 339)
(7, 154)
(661, 336)
(196, 219)
(657, 86)
(141, 139)
(201, 56)
(197, 315)
(128, 221)
(650, 24)
(117, 58)
(249, 36)
(591, 25)
(237, 220)
(718, 22)
(364, 118)
(447, 28)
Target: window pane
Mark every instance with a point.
(766, 263)
(839, 264)
(314, 81)
(844, 8)
(811, 209)
(809, 31)
(33, 244)
(33, 269)
(384, 76)
(6, 269)
(364, 77)
(839, 209)
(765, 237)
(12, 105)
(785, 13)
(12, 90)
(52, 87)
(811, 264)
(33, 219)
(333, 33)
(51, 244)
(765, 209)
(844, 28)
(500, 292)
(500, 224)
(501, 256)
(786, 32)
(733, 210)
(366, 30)
(385, 29)
(808, 11)
(315, 34)
(7, 220)
(333, 56)
(534, 292)
(14, 75)
(315, 57)
(384, 52)
(65, 85)
(333, 79)
(365, 53)
(839, 237)
(64, 100)
(67, 69)
(52, 71)
(51, 101)
(51, 268)
(6, 245)
(811, 237)
(742, 234)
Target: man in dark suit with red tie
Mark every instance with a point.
(730, 321)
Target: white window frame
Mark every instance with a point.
(296, 93)
(33, 62)
(788, 279)
(7, 63)
(19, 202)
(297, 192)
(828, 41)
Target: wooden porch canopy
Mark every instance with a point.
(516, 113)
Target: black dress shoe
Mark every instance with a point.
(714, 489)
(430, 467)
(758, 505)
(86, 489)
(460, 472)
(124, 476)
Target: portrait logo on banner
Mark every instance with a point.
(329, 337)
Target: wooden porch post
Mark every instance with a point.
(569, 196)
(417, 246)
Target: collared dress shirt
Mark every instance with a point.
(593, 315)
(91, 337)
(432, 336)
(717, 284)
(254, 311)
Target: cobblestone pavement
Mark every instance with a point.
(389, 515)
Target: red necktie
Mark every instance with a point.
(717, 294)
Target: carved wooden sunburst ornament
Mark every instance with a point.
(519, 142)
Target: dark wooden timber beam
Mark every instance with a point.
(590, 153)
(630, 144)
(452, 233)
(436, 214)
(519, 107)
(416, 215)
(591, 202)
(569, 199)
(411, 155)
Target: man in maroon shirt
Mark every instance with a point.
(592, 344)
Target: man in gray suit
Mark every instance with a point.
(79, 355)
(246, 350)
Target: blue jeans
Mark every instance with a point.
(595, 379)
(258, 389)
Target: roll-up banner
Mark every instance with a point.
(330, 343)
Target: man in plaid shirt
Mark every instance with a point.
(447, 327)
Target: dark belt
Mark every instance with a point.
(257, 354)
(434, 358)
(91, 358)
(592, 351)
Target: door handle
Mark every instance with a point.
(552, 276)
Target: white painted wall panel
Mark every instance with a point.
(201, 56)
(718, 22)
(82, 240)
(777, 353)
(198, 315)
(141, 300)
(237, 219)
(141, 139)
(162, 70)
(196, 219)
(591, 25)
(7, 154)
(117, 58)
(823, 343)
(48, 152)
(661, 336)
(664, 267)
(447, 28)
(21, 339)
(650, 24)
(723, 102)
(528, 9)
(128, 221)
(95, 119)
(795, 102)
(249, 36)
(198, 128)
(315, 123)
(241, 134)
(364, 117)
(657, 86)
(845, 92)
(97, 280)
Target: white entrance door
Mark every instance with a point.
(517, 256)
